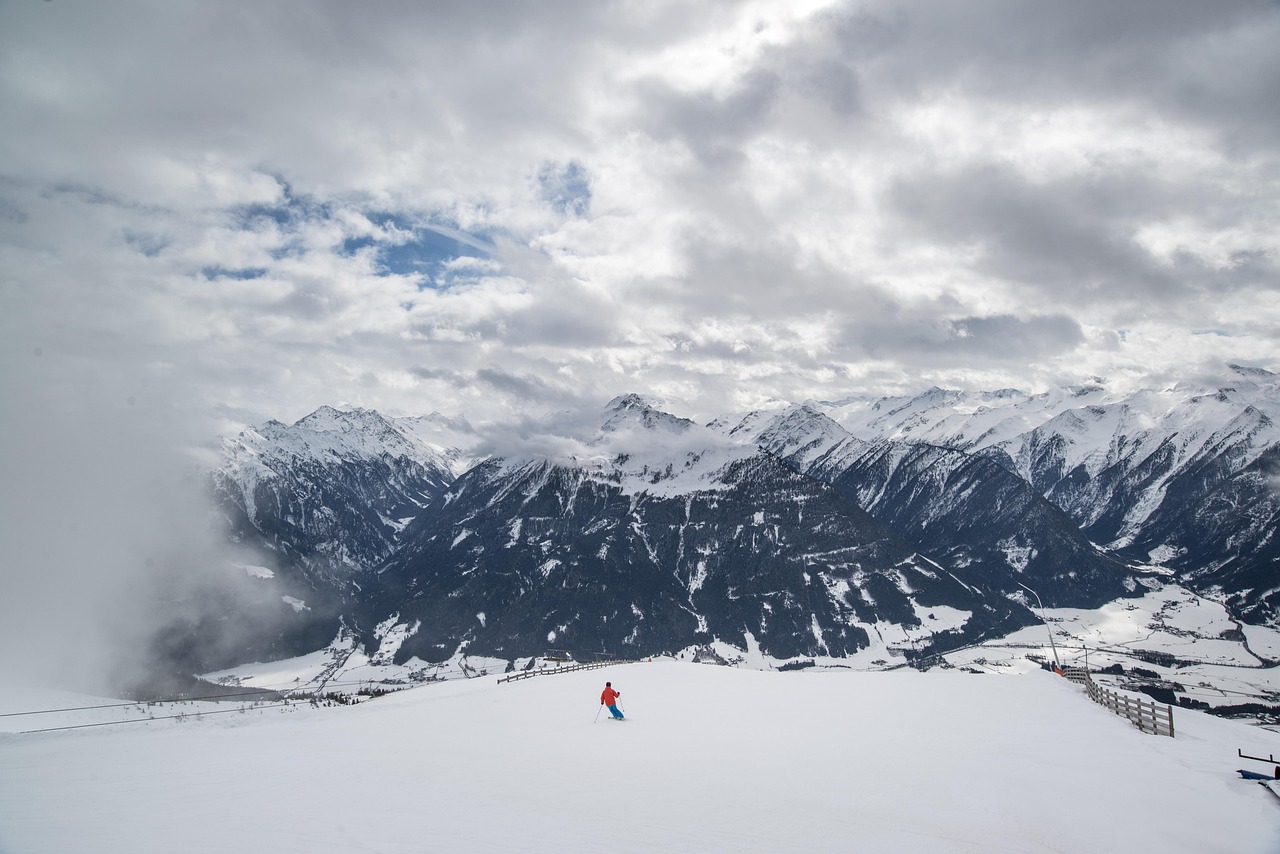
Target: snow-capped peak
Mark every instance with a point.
(1260, 375)
(328, 419)
(800, 432)
(642, 448)
(326, 435)
(632, 412)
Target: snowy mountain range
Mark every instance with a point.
(694, 538)
(906, 524)
(964, 510)
(1185, 478)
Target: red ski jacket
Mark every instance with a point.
(609, 696)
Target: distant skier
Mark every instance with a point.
(609, 697)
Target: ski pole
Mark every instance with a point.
(598, 713)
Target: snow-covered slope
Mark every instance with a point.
(972, 516)
(710, 759)
(1181, 648)
(1183, 477)
(1097, 426)
(332, 492)
(643, 449)
(326, 434)
(666, 534)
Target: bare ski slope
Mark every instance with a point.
(710, 759)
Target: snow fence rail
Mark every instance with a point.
(549, 671)
(1146, 715)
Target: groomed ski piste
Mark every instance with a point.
(711, 758)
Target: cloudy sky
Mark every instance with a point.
(247, 210)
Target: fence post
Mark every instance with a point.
(1144, 714)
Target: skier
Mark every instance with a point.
(609, 697)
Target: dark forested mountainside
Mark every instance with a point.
(804, 530)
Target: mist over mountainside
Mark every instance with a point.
(321, 501)
(816, 529)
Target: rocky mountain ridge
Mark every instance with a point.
(1186, 478)
(823, 528)
(712, 540)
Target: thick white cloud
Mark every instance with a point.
(507, 208)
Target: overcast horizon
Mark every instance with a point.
(239, 212)
(213, 214)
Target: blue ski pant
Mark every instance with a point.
(613, 710)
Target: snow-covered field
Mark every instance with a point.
(1170, 638)
(710, 759)
(1183, 642)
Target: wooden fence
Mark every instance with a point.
(548, 671)
(1077, 675)
(1146, 715)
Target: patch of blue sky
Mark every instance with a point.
(291, 209)
(242, 273)
(352, 245)
(403, 246)
(288, 216)
(428, 252)
(391, 222)
(566, 187)
(419, 250)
